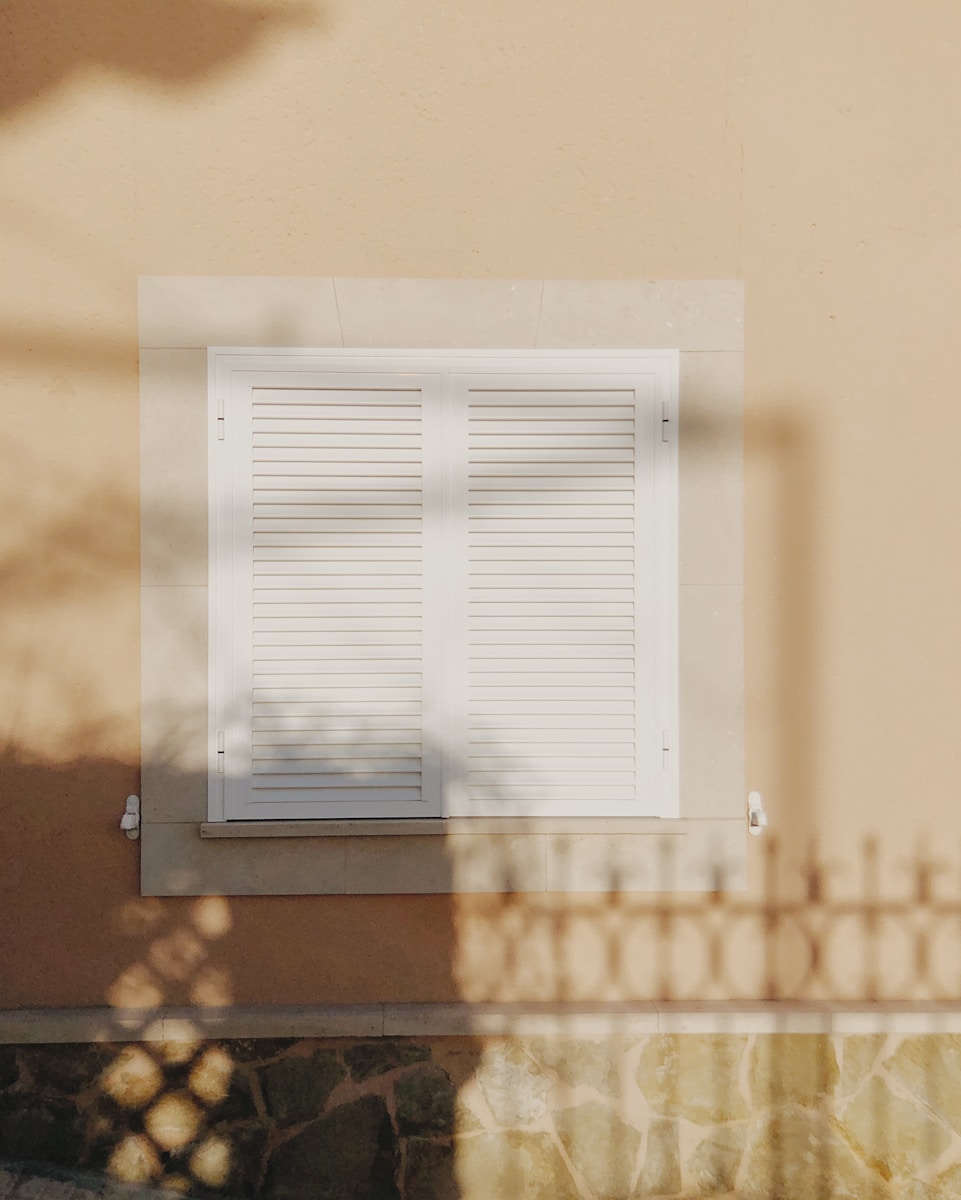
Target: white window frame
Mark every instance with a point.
(234, 372)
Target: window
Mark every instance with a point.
(445, 584)
(546, 324)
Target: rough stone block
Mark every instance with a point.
(240, 1102)
(602, 1147)
(244, 1050)
(792, 1067)
(577, 1062)
(513, 1166)
(46, 1130)
(513, 1085)
(947, 1185)
(715, 1160)
(174, 1121)
(132, 1078)
(895, 1136)
(930, 1068)
(429, 1171)
(9, 1070)
(370, 1059)
(794, 1153)
(296, 1089)
(245, 1149)
(661, 1172)
(693, 1076)
(349, 1155)
(425, 1102)
(69, 1069)
(858, 1054)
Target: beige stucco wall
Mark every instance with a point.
(806, 148)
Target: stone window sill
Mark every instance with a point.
(448, 827)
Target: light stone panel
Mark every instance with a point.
(173, 474)
(174, 714)
(451, 314)
(237, 310)
(180, 863)
(711, 454)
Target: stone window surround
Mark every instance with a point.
(182, 854)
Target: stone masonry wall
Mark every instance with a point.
(760, 1117)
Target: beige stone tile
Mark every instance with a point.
(174, 702)
(709, 857)
(237, 310)
(649, 314)
(439, 313)
(711, 468)
(712, 701)
(901, 1137)
(715, 856)
(620, 863)
(497, 862)
(462, 863)
(175, 861)
(407, 865)
(173, 466)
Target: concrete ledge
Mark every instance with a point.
(47, 1026)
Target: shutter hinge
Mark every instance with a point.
(220, 418)
(665, 420)
(665, 749)
(220, 753)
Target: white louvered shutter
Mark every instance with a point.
(557, 550)
(444, 584)
(330, 666)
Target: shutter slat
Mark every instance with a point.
(306, 791)
(397, 757)
(340, 724)
(484, 724)
(575, 422)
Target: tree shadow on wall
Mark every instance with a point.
(177, 42)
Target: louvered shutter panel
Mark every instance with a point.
(332, 662)
(556, 551)
(444, 585)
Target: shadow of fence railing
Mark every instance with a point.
(868, 926)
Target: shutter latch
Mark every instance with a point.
(220, 418)
(665, 420)
(220, 753)
(665, 749)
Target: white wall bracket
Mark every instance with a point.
(756, 816)
(130, 821)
